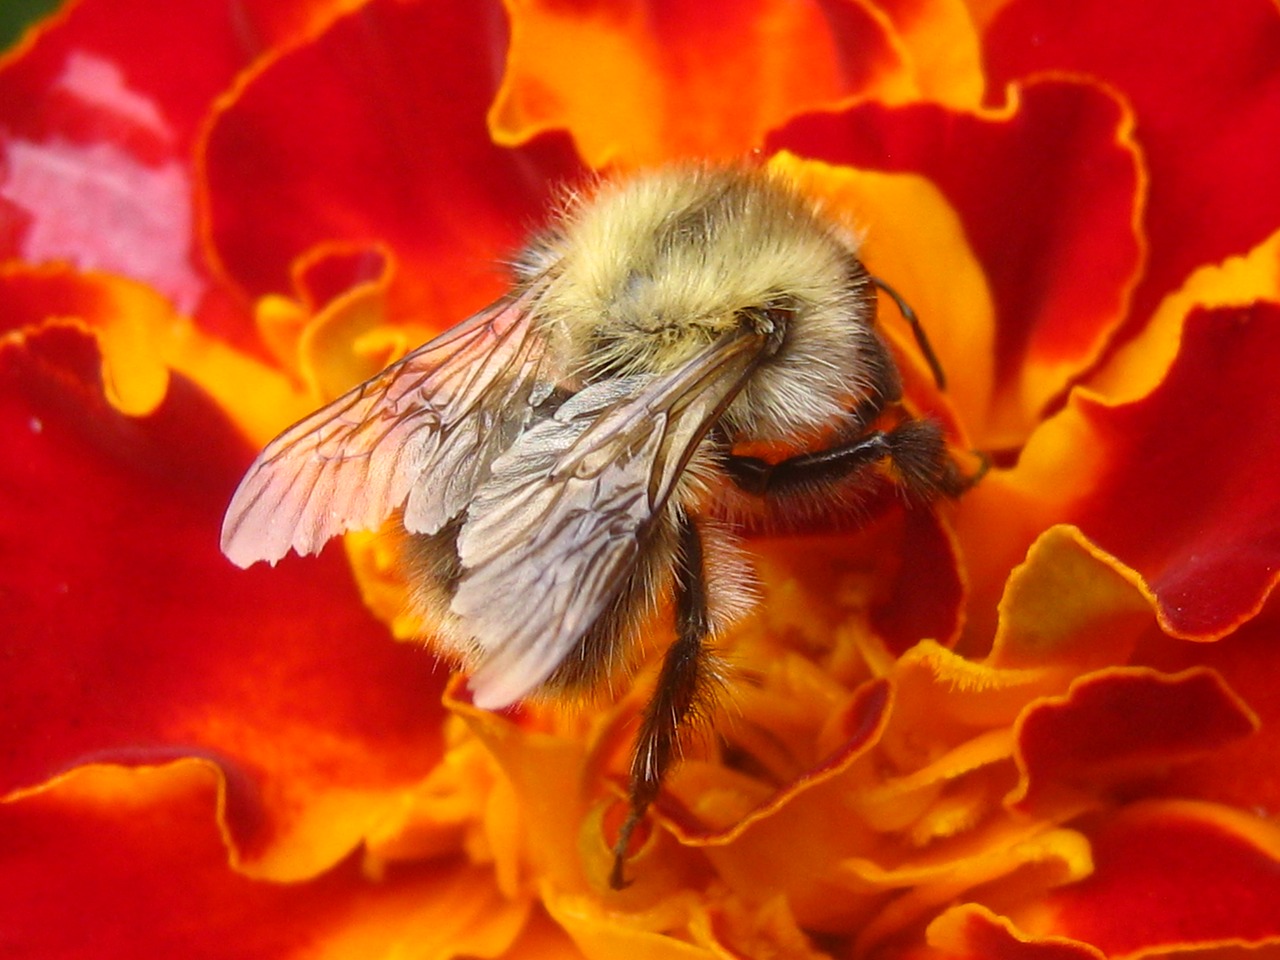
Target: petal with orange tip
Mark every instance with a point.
(1048, 189)
(1208, 114)
(142, 341)
(1178, 486)
(399, 156)
(1169, 875)
(131, 638)
(637, 83)
(1241, 773)
(971, 931)
(1119, 728)
(1138, 366)
(93, 857)
(127, 319)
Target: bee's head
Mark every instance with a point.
(647, 272)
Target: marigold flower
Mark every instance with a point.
(1041, 721)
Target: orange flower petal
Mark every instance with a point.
(908, 227)
(638, 83)
(1209, 112)
(943, 697)
(793, 842)
(1067, 609)
(127, 319)
(942, 47)
(547, 790)
(132, 638)
(601, 933)
(972, 932)
(142, 341)
(1047, 190)
(405, 88)
(91, 860)
(1170, 875)
(1024, 856)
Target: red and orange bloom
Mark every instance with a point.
(1040, 722)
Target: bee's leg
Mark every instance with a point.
(687, 671)
(914, 449)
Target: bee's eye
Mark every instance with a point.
(780, 314)
(771, 319)
(772, 316)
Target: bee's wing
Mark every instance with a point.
(443, 412)
(554, 532)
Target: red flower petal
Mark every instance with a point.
(1205, 85)
(1047, 193)
(1179, 486)
(399, 154)
(1172, 875)
(1241, 774)
(1119, 727)
(111, 863)
(925, 594)
(127, 316)
(98, 114)
(1186, 497)
(131, 638)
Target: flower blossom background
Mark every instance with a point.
(1041, 722)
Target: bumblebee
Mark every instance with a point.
(556, 464)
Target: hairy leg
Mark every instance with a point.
(914, 449)
(688, 672)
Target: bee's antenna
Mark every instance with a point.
(909, 315)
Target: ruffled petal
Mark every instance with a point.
(973, 932)
(1048, 192)
(1178, 486)
(964, 731)
(1117, 728)
(133, 639)
(1170, 875)
(1242, 773)
(1068, 610)
(1209, 113)
(99, 110)
(399, 156)
(1139, 365)
(640, 83)
(125, 862)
